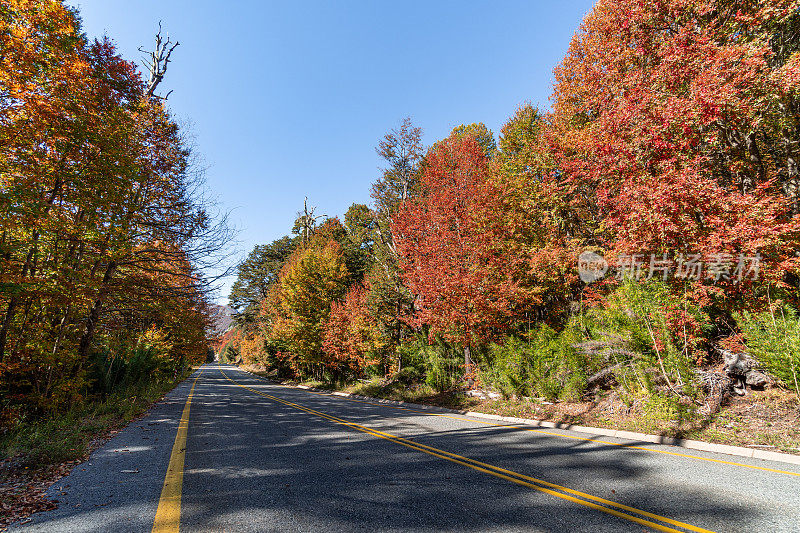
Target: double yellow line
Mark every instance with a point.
(168, 513)
(619, 510)
(545, 432)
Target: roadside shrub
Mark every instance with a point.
(440, 364)
(773, 338)
(644, 335)
(409, 375)
(650, 335)
(411, 353)
(444, 366)
(412, 361)
(110, 371)
(545, 365)
(444, 371)
(509, 368)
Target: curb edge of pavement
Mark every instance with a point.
(702, 446)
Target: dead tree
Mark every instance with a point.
(157, 62)
(306, 221)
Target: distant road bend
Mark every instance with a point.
(229, 451)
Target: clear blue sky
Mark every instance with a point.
(288, 99)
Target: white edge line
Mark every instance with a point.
(616, 433)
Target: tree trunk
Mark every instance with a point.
(468, 366)
(397, 328)
(12, 304)
(94, 313)
(61, 329)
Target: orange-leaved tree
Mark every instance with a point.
(98, 205)
(353, 339)
(313, 278)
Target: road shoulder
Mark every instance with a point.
(633, 437)
(120, 473)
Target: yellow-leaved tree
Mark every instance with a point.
(313, 278)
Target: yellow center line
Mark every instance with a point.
(168, 513)
(546, 487)
(551, 433)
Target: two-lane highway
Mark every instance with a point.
(228, 451)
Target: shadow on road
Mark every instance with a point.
(257, 464)
(253, 464)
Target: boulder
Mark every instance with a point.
(743, 371)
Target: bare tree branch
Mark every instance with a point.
(157, 62)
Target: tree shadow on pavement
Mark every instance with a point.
(254, 464)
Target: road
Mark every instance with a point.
(255, 456)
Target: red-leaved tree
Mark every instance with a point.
(448, 241)
(676, 127)
(352, 339)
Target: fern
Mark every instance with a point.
(773, 338)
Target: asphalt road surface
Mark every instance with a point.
(248, 455)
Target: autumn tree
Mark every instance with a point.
(313, 278)
(402, 152)
(352, 340)
(98, 203)
(351, 245)
(675, 129)
(167, 303)
(535, 214)
(482, 135)
(446, 242)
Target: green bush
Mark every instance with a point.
(441, 364)
(546, 365)
(774, 340)
(651, 333)
(409, 374)
(411, 353)
(112, 371)
(647, 334)
(509, 367)
(444, 367)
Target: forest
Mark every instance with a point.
(624, 256)
(669, 156)
(105, 227)
(641, 235)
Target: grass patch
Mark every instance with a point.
(72, 435)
